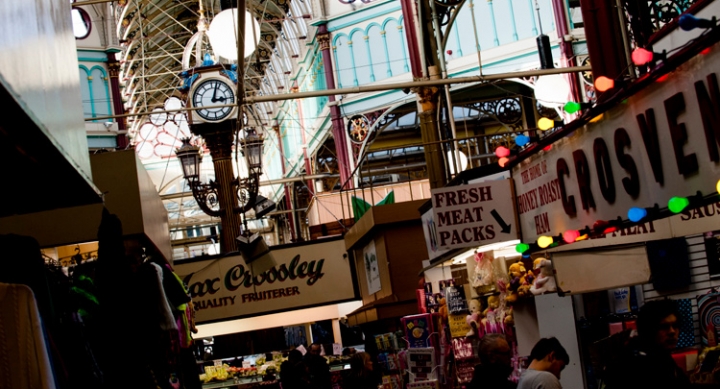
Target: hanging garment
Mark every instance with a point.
(24, 361)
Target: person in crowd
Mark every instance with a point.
(348, 351)
(495, 364)
(293, 372)
(547, 359)
(361, 374)
(318, 367)
(645, 361)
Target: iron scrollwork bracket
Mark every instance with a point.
(206, 196)
(247, 191)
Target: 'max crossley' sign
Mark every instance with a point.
(302, 276)
(475, 214)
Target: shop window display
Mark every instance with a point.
(476, 301)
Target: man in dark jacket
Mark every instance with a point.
(317, 367)
(495, 364)
(646, 362)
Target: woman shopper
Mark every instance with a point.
(362, 373)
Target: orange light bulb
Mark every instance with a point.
(603, 84)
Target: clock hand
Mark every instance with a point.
(215, 99)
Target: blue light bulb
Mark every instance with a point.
(522, 140)
(688, 22)
(636, 214)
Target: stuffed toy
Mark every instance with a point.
(509, 320)
(545, 281)
(526, 282)
(484, 279)
(442, 308)
(473, 319)
(489, 323)
(517, 273)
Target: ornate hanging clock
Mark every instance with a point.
(212, 92)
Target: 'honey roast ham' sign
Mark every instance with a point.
(473, 215)
(303, 276)
(663, 142)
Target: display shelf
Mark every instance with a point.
(243, 383)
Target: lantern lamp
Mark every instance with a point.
(251, 146)
(190, 159)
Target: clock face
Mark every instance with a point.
(208, 95)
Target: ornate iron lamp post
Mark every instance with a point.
(227, 196)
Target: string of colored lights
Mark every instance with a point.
(635, 216)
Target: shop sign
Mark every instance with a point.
(372, 270)
(475, 214)
(663, 142)
(302, 276)
(458, 325)
(430, 233)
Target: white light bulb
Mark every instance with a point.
(223, 34)
(463, 161)
(552, 90)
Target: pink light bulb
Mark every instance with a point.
(569, 236)
(502, 152)
(641, 56)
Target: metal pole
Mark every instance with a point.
(420, 37)
(443, 74)
(374, 88)
(240, 58)
(477, 41)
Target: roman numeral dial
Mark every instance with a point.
(210, 95)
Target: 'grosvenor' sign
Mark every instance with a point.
(663, 142)
(302, 276)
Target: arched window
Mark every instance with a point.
(82, 25)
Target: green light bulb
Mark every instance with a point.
(522, 247)
(572, 107)
(677, 204)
